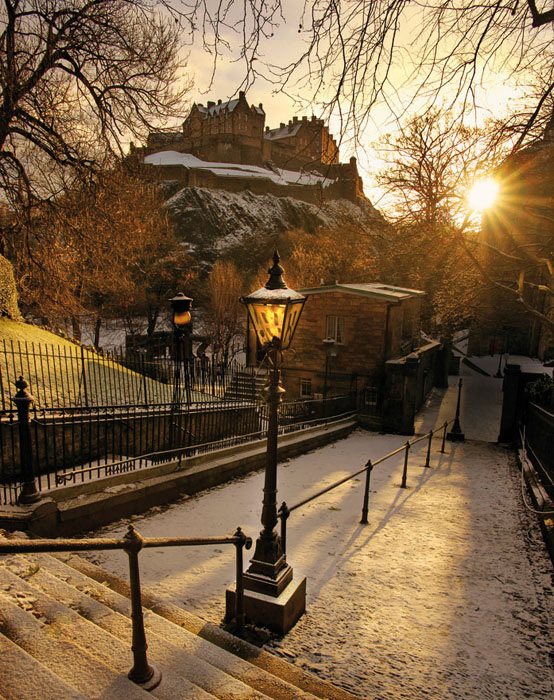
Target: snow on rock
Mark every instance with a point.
(213, 221)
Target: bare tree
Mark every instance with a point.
(432, 162)
(355, 55)
(440, 243)
(107, 251)
(224, 313)
(76, 77)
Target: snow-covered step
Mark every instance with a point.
(36, 637)
(93, 604)
(71, 626)
(238, 675)
(25, 678)
(81, 646)
(270, 674)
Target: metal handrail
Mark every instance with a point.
(142, 672)
(285, 510)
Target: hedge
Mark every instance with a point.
(8, 291)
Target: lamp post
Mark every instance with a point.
(182, 326)
(272, 599)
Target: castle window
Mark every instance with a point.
(306, 386)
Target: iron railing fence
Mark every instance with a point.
(285, 510)
(539, 438)
(132, 543)
(74, 376)
(78, 445)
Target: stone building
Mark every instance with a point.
(300, 144)
(346, 334)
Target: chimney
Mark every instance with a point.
(241, 94)
(219, 102)
(304, 119)
(295, 119)
(281, 125)
(313, 118)
(353, 161)
(211, 104)
(261, 106)
(267, 128)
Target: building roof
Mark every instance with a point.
(214, 109)
(374, 290)
(283, 132)
(217, 108)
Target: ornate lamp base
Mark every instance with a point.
(279, 614)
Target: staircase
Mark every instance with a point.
(65, 634)
(246, 386)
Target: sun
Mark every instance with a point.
(482, 195)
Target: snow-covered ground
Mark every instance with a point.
(445, 594)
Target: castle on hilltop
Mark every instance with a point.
(234, 132)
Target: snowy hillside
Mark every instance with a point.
(215, 221)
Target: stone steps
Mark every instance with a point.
(25, 678)
(244, 386)
(81, 648)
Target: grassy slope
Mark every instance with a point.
(60, 373)
(26, 332)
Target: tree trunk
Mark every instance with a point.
(76, 328)
(97, 326)
(152, 317)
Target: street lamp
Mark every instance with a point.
(182, 326)
(272, 599)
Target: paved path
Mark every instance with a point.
(446, 594)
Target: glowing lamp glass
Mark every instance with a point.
(181, 318)
(180, 308)
(275, 323)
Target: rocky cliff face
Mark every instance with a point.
(216, 222)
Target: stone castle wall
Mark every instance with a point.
(233, 132)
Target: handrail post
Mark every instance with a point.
(30, 492)
(405, 471)
(428, 458)
(445, 426)
(365, 507)
(241, 541)
(283, 513)
(142, 673)
(456, 434)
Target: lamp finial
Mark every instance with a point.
(276, 280)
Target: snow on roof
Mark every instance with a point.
(375, 290)
(217, 108)
(279, 176)
(283, 132)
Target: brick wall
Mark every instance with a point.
(362, 352)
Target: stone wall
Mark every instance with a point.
(313, 194)
(374, 331)
(407, 384)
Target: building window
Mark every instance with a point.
(335, 328)
(306, 386)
